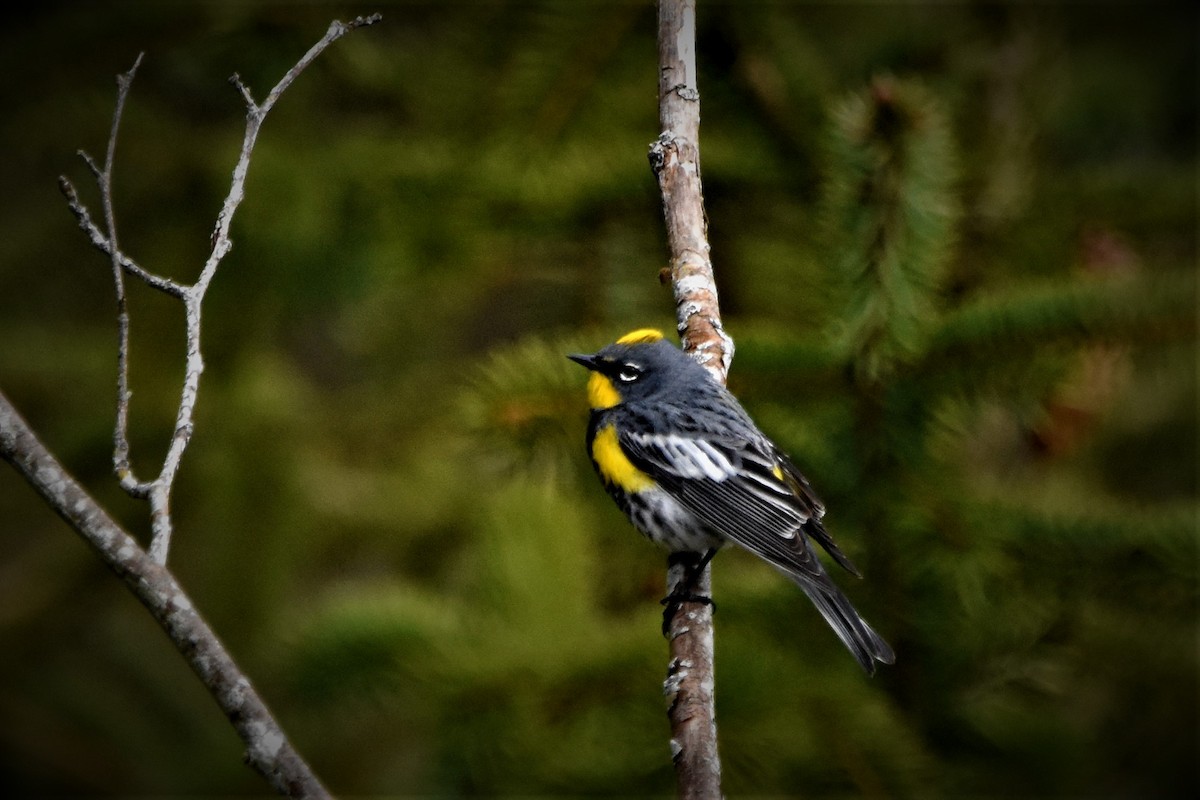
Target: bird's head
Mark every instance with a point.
(637, 366)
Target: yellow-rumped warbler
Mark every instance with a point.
(682, 458)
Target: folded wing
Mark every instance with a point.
(753, 494)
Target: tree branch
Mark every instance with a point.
(268, 751)
(675, 159)
(158, 490)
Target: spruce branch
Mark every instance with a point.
(890, 211)
(1002, 325)
(675, 160)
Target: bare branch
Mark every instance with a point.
(690, 685)
(121, 465)
(336, 31)
(244, 90)
(101, 243)
(158, 490)
(675, 159)
(97, 173)
(160, 494)
(268, 750)
(254, 117)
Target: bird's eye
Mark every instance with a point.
(630, 373)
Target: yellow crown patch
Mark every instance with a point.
(641, 336)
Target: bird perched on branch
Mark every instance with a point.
(682, 458)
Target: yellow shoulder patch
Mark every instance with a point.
(614, 466)
(641, 336)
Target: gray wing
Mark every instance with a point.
(751, 493)
(744, 489)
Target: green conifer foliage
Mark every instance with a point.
(889, 213)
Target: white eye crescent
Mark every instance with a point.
(630, 373)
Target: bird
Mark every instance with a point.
(683, 459)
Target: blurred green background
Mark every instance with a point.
(956, 245)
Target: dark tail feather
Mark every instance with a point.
(859, 638)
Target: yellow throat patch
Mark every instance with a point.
(601, 392)
(615, 467)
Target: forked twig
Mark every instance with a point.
(158, 489)
(144, 572)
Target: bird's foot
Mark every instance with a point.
(684, 590)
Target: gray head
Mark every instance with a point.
(638, 366)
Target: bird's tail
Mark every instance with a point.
(859, 637)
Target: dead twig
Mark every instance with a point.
(158, 489)
(268, 750)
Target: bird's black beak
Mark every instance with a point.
(585, 360)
